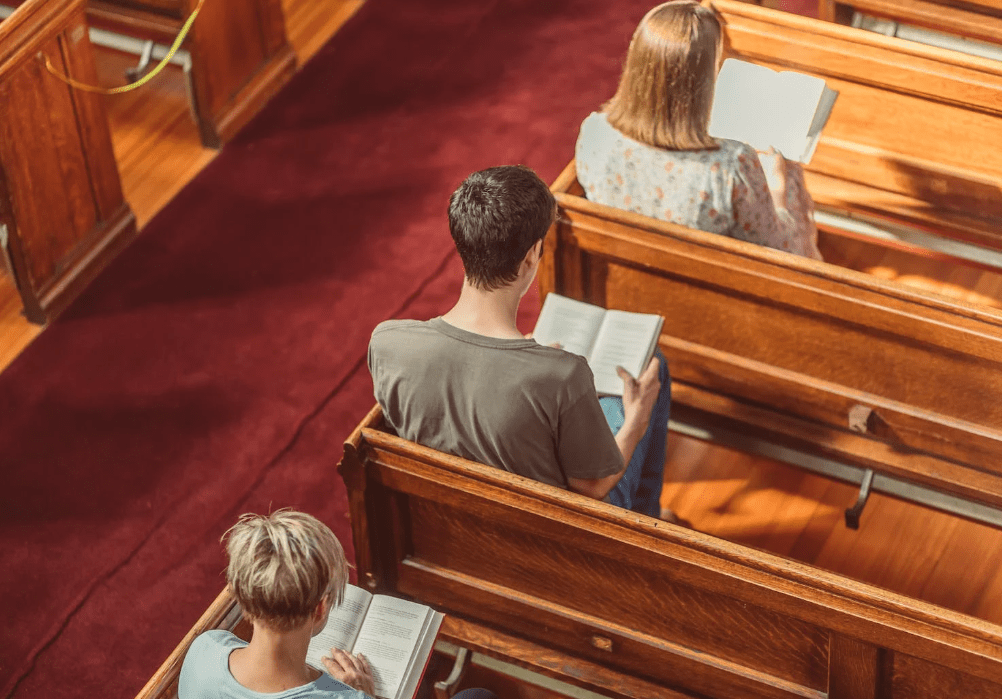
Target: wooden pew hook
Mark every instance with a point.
(853, 513)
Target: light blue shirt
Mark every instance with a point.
(205, 674)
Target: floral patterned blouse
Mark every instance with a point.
(721, 191)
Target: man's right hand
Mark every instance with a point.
(353, 670)
(640, 395)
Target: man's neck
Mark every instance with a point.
(487, 313)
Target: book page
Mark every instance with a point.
(739, 110)
(799, 96)
(766, 109)
(625, 339)
(388, 639)
(420, 658)
(342, 626)
(574, 324)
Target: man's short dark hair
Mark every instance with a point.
(495, 216)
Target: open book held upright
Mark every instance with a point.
(394, 635)
(762, 107)
(605, 338)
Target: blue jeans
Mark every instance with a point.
(476, 694)
(640, 487)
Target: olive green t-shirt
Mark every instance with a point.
(514, 404)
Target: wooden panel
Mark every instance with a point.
(789, 348)
(563, 586)
(854, 671)
(65, 209)
(615, 601)
(240, 53)
(884, 137)
(921, 679)
(971, 19)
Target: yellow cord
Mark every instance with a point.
(143, 80)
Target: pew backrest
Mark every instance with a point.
(223, 613)
(970, 19)
(913, 137)
(629, 606)
(799, 352)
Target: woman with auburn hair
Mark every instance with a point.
(649, 151)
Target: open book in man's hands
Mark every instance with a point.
(605, 338)
(394, 635)
(763, 108)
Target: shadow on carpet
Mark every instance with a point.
(218, 364)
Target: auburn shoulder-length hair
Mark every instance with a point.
(666, 91)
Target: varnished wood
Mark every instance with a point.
(971, 19)
(157, 145)
(631, 606)
(901, 546)
(786, 348)
(911, 137)
(60, 194)
(223, 613)
(240, 53)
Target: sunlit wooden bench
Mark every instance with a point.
(240, 55)
(629, 606)
(971, 19)
(911, 151)
(795, 352)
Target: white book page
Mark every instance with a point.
(739, 110)
(573, 324)
(627, 340)
(799, 95)
(764, 108)
(342, 626)
(388, 639)
(419, 659)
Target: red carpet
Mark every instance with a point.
(218, 364)
(216, 367)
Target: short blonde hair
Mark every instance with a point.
(283, 565)
(665, 94)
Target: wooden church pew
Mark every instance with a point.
(239, 51)
(971, 19)
(62, 212)
(912, 140)
(631, 607)
(223, 613)
(799, 353)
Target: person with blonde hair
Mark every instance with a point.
(649, 150)
(288, 571)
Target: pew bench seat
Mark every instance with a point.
(629, 606)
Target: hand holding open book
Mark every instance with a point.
(607, 339)
(395, 636)
(762, 107)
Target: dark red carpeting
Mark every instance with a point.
(217, 366)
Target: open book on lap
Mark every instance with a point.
(607, 339)
(394, 635)
(763, 107)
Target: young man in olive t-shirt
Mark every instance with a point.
(468, 383)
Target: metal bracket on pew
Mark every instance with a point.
(444, 689)
(853, 513)
(146, 50)
(929, 37)
(840, 471)
(904, 235)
